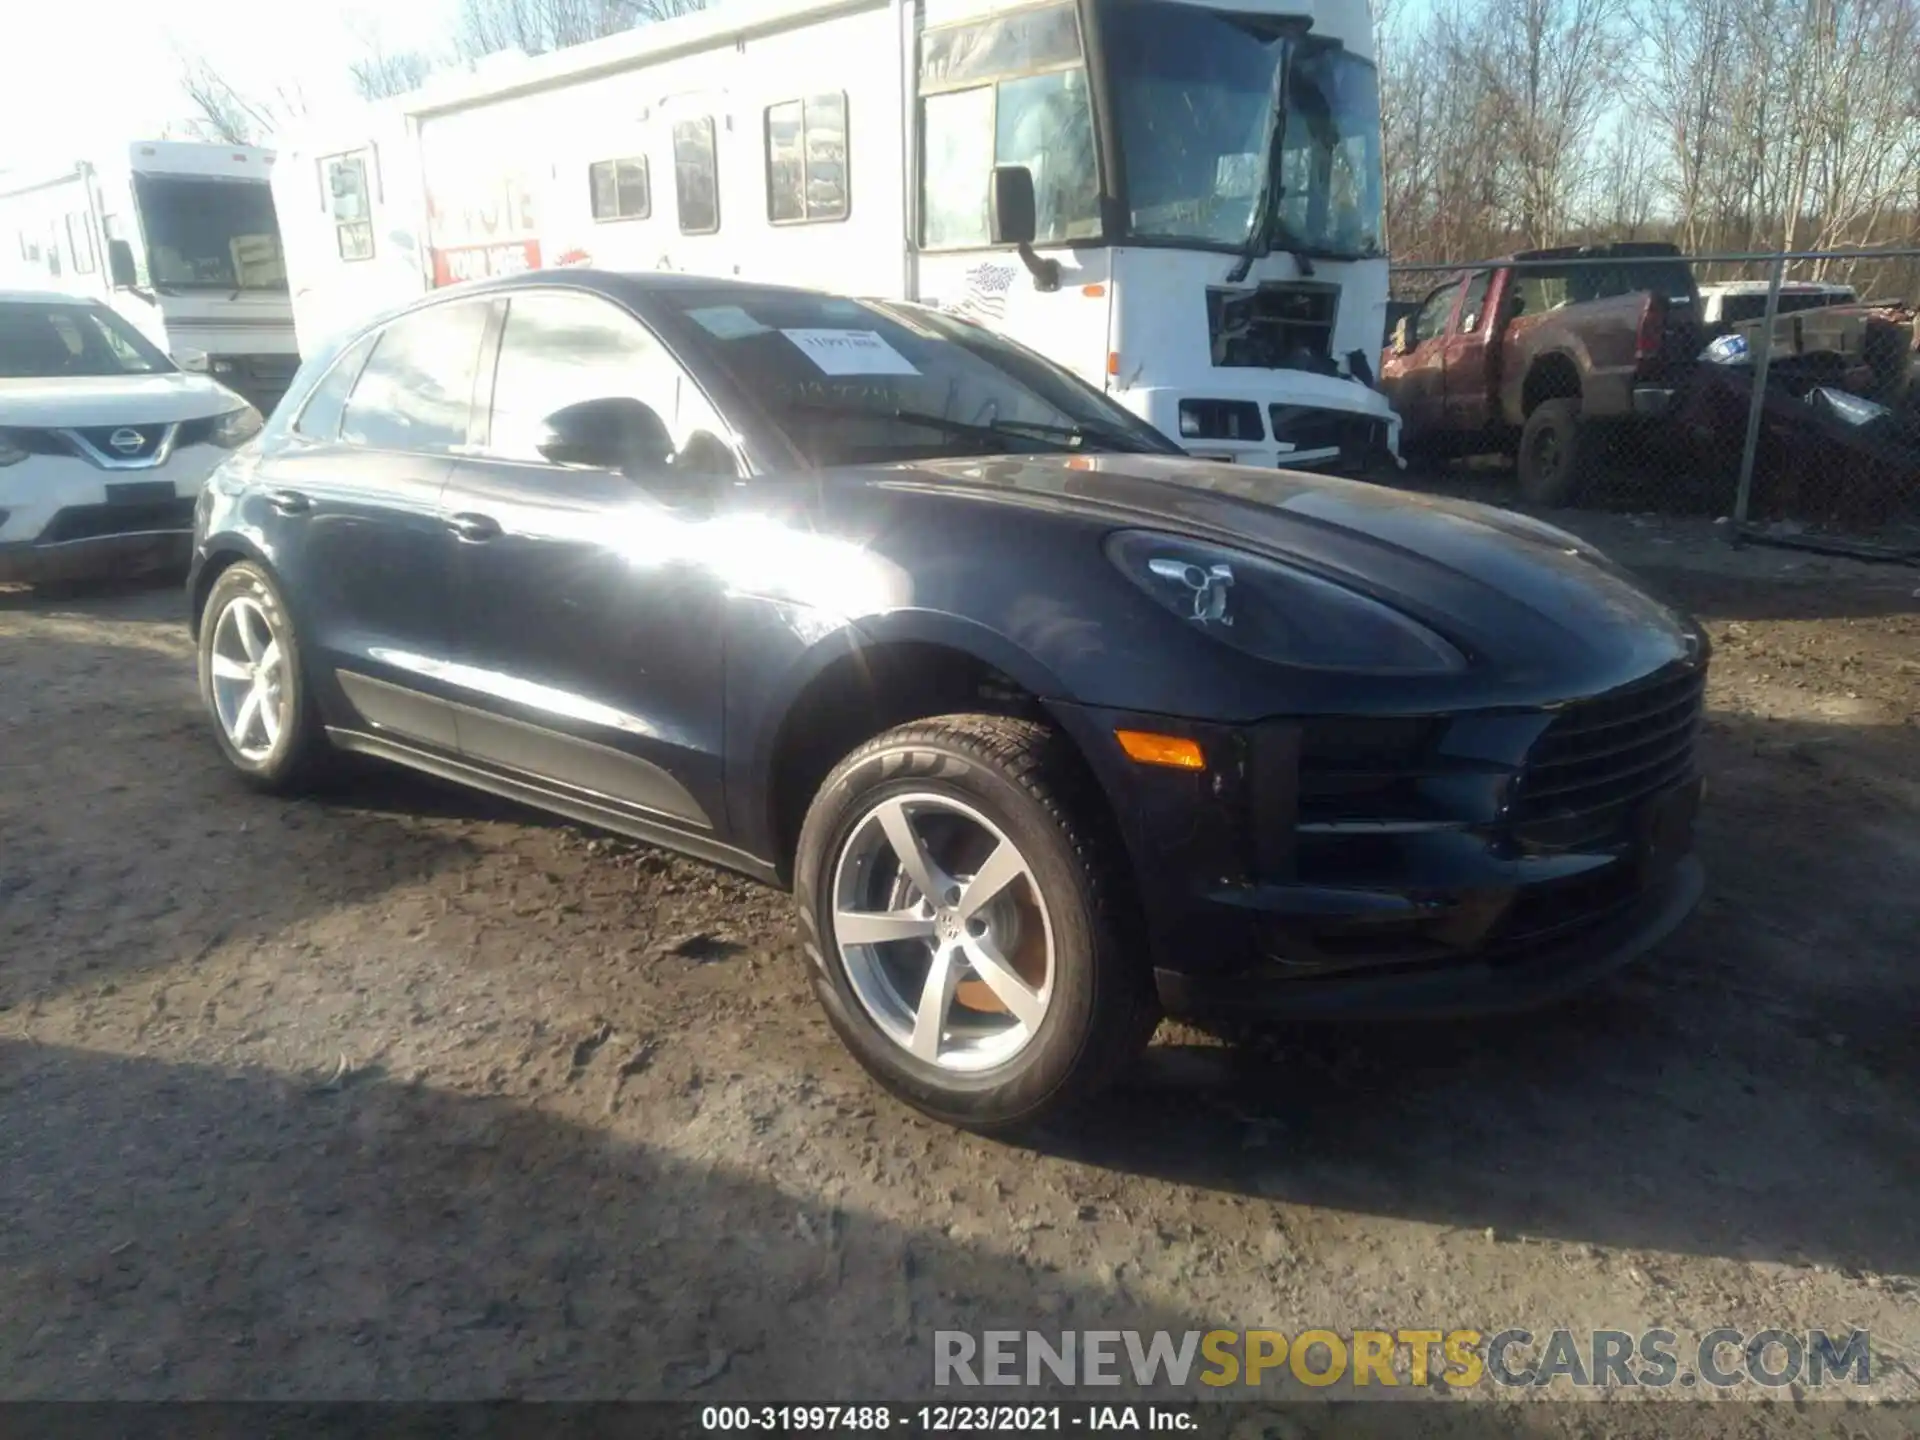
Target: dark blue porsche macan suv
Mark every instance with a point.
(1050, 728)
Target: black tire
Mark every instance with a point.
(1558, 454)
(1032, 785)
(299, 753)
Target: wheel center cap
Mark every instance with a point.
(948, 926)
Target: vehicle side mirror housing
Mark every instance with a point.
(615, 432)
(1013, 219)
(1403, 336)
(120, 268)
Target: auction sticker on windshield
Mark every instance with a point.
(850, 352)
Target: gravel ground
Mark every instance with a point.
(399, 1092)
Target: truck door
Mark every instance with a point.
(1414, 376)
(1471, 351)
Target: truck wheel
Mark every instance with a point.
(965, 918)
(1556, 453)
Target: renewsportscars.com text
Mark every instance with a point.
(1459, 1359)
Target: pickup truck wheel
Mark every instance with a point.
(1557, 451)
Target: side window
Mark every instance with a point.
(807, 160)
(1009, 90)
(80, 242)
(319, 417)
(53, 251)
(620, 189)
(958, 134)
(1473, 309)
(416, 392)
(696, 180)
(560, 348)
(1432, 319)
(343, 183)
(1541, 291)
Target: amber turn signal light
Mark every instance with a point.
(1169, 750)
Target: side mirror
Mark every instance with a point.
(1403, 336)
(120, 267)
(613, 433)
(1013, 219)
(1012, 213)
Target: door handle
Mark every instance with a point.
(474, 529)
(289, 502)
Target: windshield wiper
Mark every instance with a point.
(1077, 435)
(998, 432)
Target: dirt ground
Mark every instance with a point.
(400, 1092)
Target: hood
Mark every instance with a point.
(65, 402)
(1503, 586)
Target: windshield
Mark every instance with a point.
(43, 340)
(1198, 87)
(210, 234)
(856, 382)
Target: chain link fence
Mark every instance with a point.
(1779, 394)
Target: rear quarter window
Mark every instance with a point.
(319, 417)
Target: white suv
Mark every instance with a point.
(104, 442)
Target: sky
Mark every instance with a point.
(87, 75)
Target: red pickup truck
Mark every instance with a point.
(1542, 355)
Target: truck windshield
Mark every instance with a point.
(1199, 87)
(852, 382)
(210, 234)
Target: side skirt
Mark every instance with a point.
(573, 807)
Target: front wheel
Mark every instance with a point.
(961, 900)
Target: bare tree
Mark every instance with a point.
(381, 73)
(538, 26)
(228, 115)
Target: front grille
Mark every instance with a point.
(1308, 428)
(93, 522)
(137, 442)
(1613, 750)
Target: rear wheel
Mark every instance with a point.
(960, 907)
(1557, 453)
(253, 685)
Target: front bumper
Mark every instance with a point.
(62, 518)
(1408, 866)
(1359, 436)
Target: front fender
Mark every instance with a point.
(776, 651)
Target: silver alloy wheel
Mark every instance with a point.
(943, 932)
(250, 692)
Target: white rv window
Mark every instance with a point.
(621, 189)
(696, 180)
(80, 243)
(807, 160)
(344, 185)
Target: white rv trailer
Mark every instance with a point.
(1207, 239)
(180, 239)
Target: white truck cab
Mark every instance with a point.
(1178, 201)
(180, 239)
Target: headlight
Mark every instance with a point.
(236, 427)
(1276, 612)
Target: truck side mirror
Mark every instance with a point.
(1013, 219)
(1403, 336)
(120, 265)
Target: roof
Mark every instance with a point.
(42, 297)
